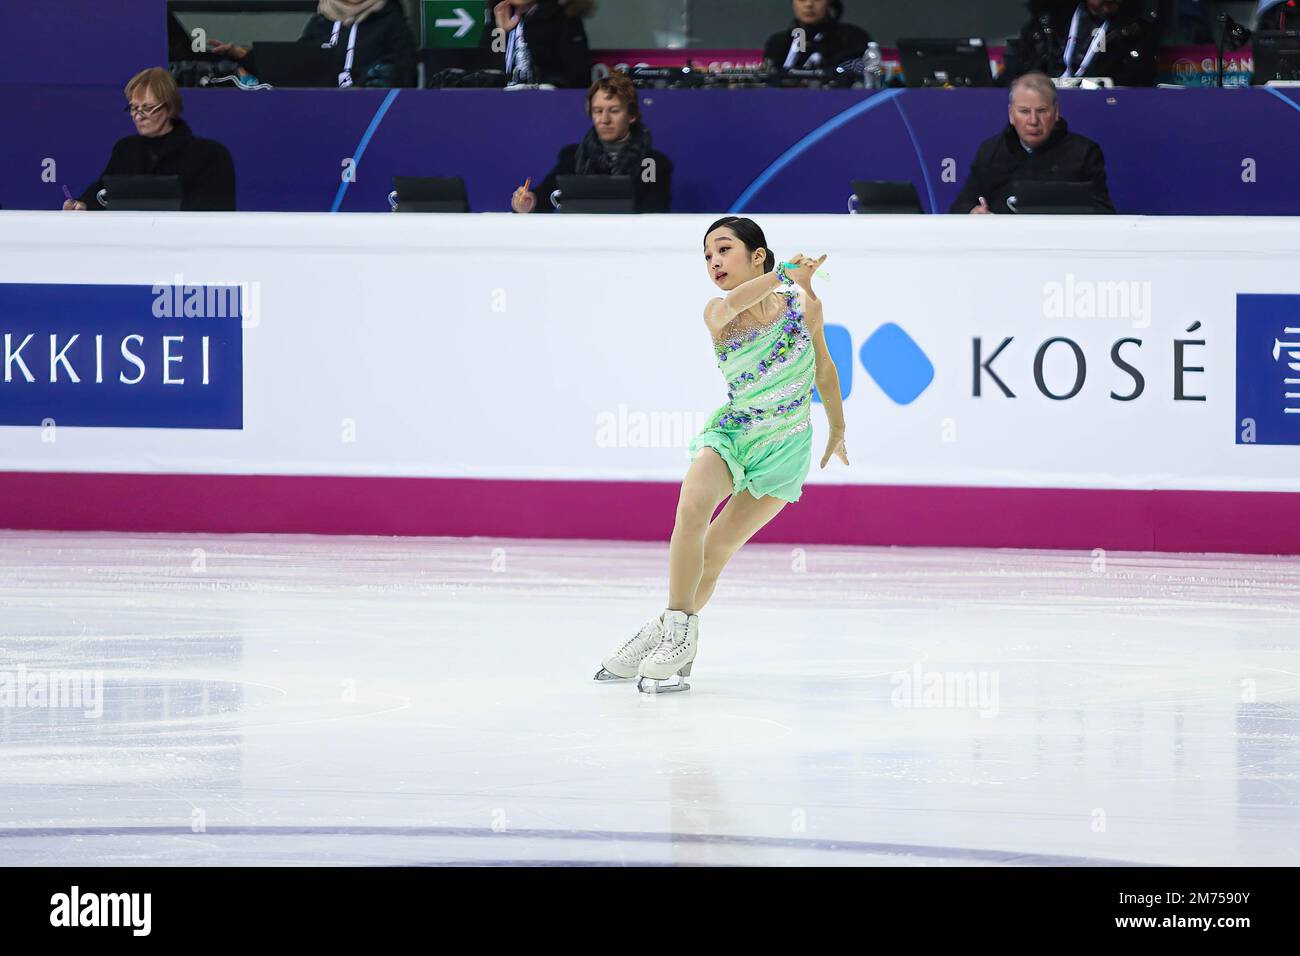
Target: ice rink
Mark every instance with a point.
(267, 699)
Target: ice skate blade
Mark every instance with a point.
(603, 675)
(648, 685)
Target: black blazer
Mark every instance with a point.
(206, 170)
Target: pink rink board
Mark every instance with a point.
(1057, 518)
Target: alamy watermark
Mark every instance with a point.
(628, 428)
(76, 908)
(212, 299)
(74, 690)
(1085, 299)
(943, 688)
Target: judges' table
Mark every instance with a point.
(1168, 152)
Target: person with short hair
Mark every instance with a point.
(617, 144)
(164, 145)
(816, 39)
(1036, 145)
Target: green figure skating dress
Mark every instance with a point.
(763, 433)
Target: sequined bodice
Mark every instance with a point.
(769, 373)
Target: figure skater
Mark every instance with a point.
(768, 339)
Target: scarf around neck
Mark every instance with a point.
(348, 12)
(593, 156)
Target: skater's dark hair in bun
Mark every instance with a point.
(748, 232)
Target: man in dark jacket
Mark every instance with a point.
(616, 144)
(536, 41)
(1079, 38)
(816, 39)
(1037, 145)
(164, 145)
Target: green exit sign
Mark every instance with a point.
(451, 24)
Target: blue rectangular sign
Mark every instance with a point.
(124, 356)
(1268, 369)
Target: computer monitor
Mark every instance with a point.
(1277, 56)
(1052, 198)
(141, 193)
(429, 194)
(881, 197)
(944, 62)
(603, 194)
(280, 63)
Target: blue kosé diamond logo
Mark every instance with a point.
(896, 363)
(1268, 369)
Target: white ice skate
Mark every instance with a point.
(623, 663)
(672, 657)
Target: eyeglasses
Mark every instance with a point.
(141, 110)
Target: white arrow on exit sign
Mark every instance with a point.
(462, 21)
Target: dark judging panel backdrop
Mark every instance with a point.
(66, 60)
(1168, 151)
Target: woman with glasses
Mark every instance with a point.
(164, 145)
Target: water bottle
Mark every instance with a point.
(873, 67)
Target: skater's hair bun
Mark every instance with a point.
(748, 232)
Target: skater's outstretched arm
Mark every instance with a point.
(828, 384)
(721, 311)
(827, 376)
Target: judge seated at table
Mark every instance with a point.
(1035, 145)
(164, 145)
(616, 144)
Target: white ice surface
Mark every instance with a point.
(278, 699)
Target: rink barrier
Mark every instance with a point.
(1064, 382)
(1051, 518)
